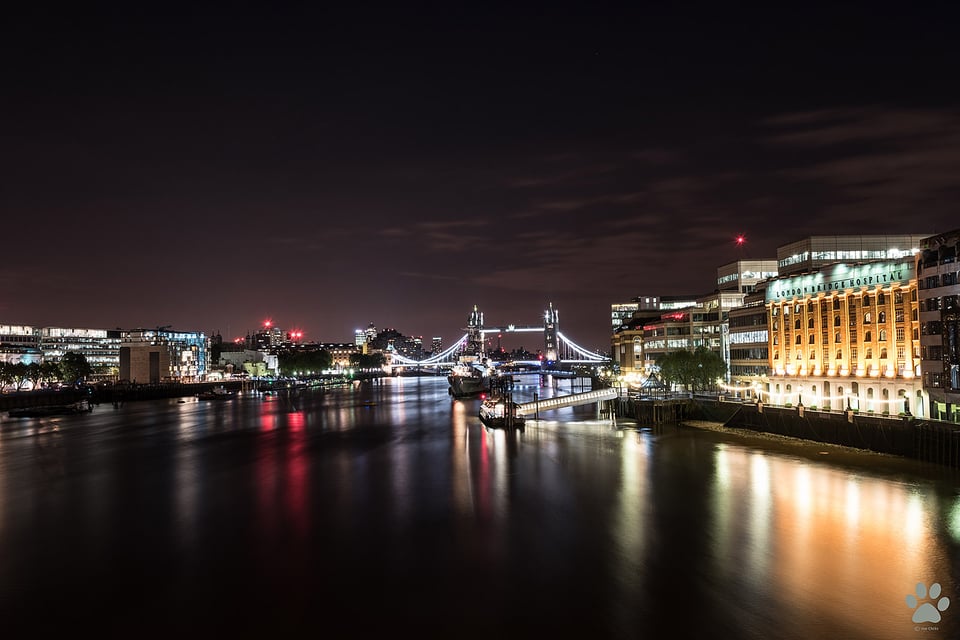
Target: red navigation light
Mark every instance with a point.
(237, 340)
(741, 239)
(267, 323)
(483, 396)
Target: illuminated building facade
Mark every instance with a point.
(744, 275)
(846, 336)
(623, 312)
(748, 337)
(341, 352)
(161, 355)
(626, 347)
(938, 282)
(701, 325)
(815, 252)
(100, 347)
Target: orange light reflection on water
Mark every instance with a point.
(845, 548)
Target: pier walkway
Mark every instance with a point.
(598, 395)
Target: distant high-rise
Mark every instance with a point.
(437, 345)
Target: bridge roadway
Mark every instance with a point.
(597, 395)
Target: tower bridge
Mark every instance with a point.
(558, 349)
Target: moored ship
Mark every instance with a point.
(467, 379)
(471, 375)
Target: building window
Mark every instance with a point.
(900, 333)
(798, 339)
(853, 353)
(836, 302)
(881, 299)
(810, 323)
(883, 353)
(867, 301)
(883, 335)
(836, 337)
(898, 297)
(812, 339)
(867, 318)
(899, 315)
(839, 354)
(869, 353)
(867, 336)
(796, 324)
(882, 317)
(836, 321)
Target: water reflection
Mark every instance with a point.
(395, 494)
(821, 541)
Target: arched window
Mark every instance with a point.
(799, 337)
(867, 336)
(776, 355)
(881, 316)
(883, 335)
(881, 299)
(836, 321)
(810, 324)
(776, 338)
(867, 318)
(836, 337)
(867, 301)
(869, 353)
(812, 339)
(883, 354)
(776, 325)
(836, 302)
(839, 354)
(799, 355)
(796, 323)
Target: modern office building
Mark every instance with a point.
(100, 347)
(622, 313)
(846, 335)
(19, 335)
(810, 254)
(744, 275)
(938, 283)
(748, 338)
(703, 324)
(162, 355)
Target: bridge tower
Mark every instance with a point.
(551, 323)
(474, 345)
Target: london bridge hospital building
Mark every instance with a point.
(847, 336)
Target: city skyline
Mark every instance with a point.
(328, 168)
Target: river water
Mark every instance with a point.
(387, 508)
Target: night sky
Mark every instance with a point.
(210, 169)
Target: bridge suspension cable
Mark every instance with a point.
(436, 359)
(588, 356)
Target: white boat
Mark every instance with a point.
(498, 412)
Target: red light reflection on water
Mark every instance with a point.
(296, 468)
